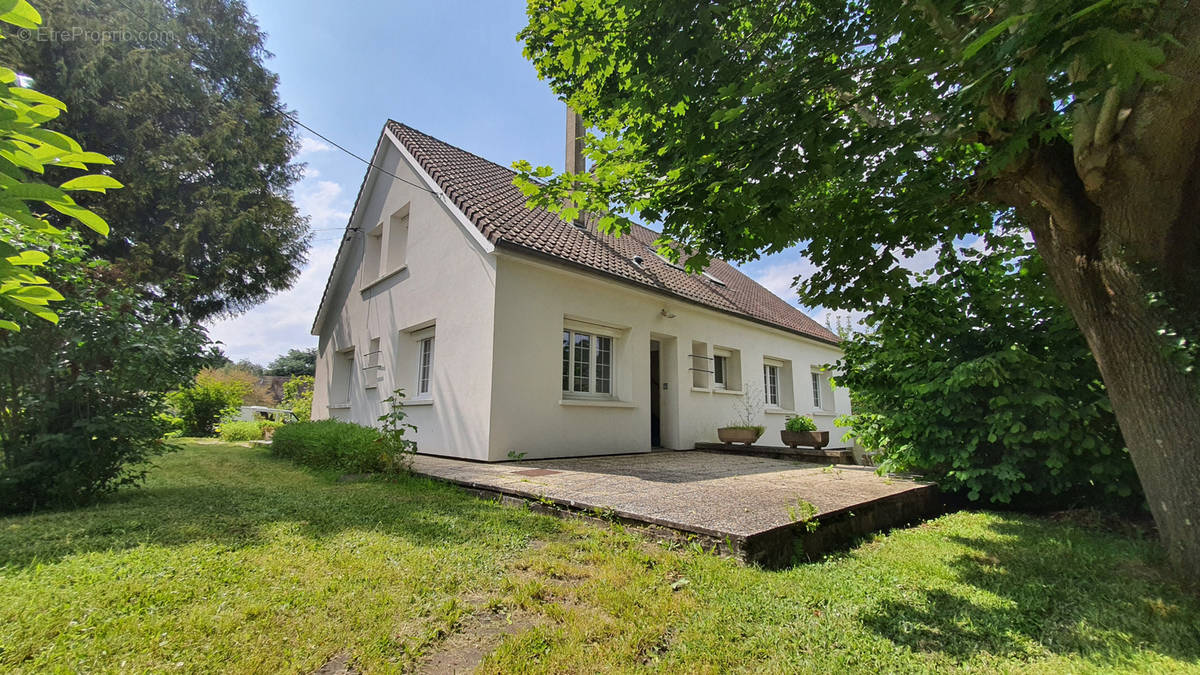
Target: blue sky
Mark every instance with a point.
(451, 68)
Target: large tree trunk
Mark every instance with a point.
(1115, 213)
(1154, 401)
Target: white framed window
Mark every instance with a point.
(397, 241)
(817, 387)
(720, 371)
(372, 364)
(771, 384)
(424, 367)
(587, 366)
(372, 264)
(341, 377)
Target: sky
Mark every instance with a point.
(450, 68)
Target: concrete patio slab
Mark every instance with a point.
(749, 506)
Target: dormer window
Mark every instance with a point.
(385, 251)
(663, 258)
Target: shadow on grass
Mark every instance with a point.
(1042, 587)
(239, 513)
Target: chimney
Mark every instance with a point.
(575, 133)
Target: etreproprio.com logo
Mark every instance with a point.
(81, 34)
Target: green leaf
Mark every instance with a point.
(20, 14)
(28, 258)
(94, 183)
(5, 324)
(91, 220)
(36, 96)
(33, 191)
(35, 295)
(991, 34)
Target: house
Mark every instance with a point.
(513, 332)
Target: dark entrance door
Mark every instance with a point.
(655, 390)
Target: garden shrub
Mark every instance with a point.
(298, 396)
(979, 379)
(83, 401)
(266, 427)
(212, 397)
(174, 424)
(234, 431)
(331, 444)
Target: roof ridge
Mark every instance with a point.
(496, 207)
(463, 150)
(450, 145)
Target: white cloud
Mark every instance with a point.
(778, 278)
(284, 320)
(311, 145)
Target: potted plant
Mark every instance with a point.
(743, 429)
(740, 433)
(802, 430)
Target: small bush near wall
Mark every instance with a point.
(232, 432)
(331, 444)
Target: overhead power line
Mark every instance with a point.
(280, 109)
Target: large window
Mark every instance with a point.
(425, 367)
(771, 384)
(340, 377)
(587, 367)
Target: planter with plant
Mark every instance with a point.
(802, 430)
(743, 429)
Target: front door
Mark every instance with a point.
(655, 395)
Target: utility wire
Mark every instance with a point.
(279, 109)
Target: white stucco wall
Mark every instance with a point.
(529, 414)
(449, 283)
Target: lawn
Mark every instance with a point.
(231, 560)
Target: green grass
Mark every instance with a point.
(231, 560)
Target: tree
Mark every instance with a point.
(298, 396)
(81, 401)
(250, 367)
(978, 378)
(866, 131)
(26, 146)
(180, 98)
(295, 362)
(214, 395)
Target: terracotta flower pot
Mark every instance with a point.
(810, 439)
(730, 435)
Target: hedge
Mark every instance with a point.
(331, 444)
(232, 432)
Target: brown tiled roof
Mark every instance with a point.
(485, 193)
